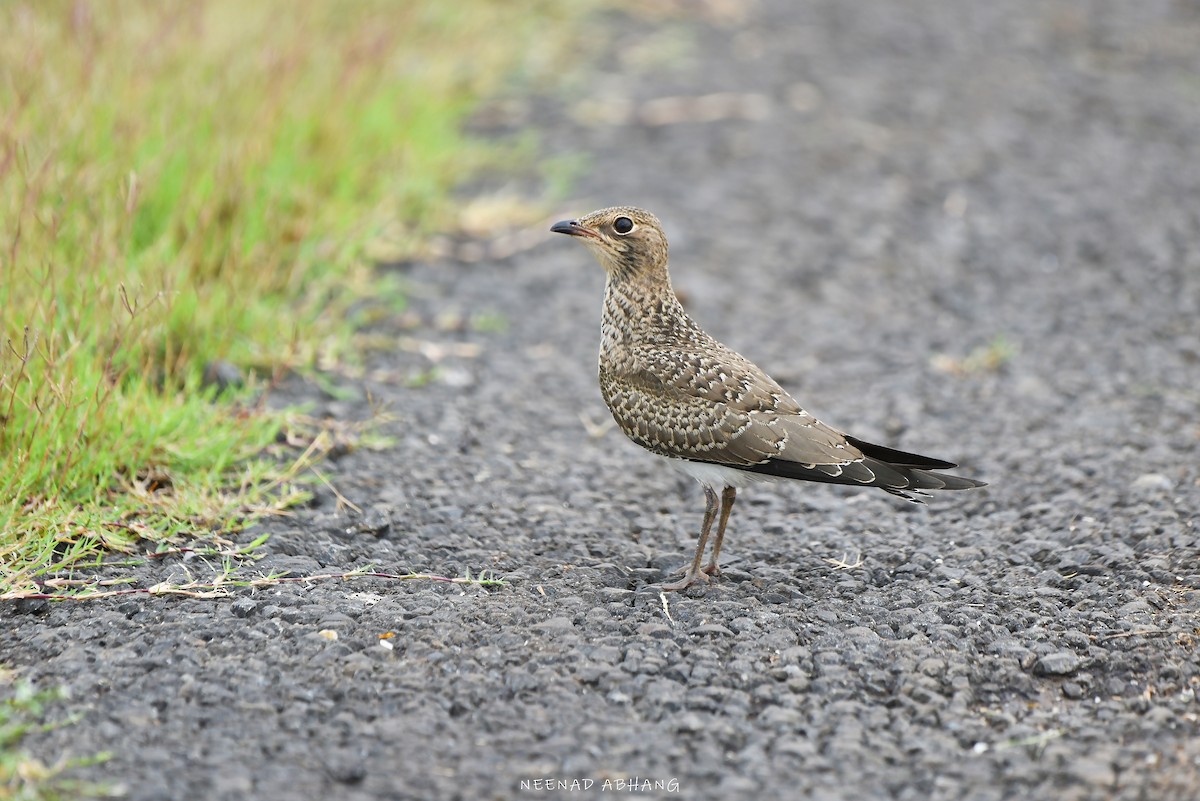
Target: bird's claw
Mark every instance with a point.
(689, 578)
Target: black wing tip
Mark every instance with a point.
(899, 458)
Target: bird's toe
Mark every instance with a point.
(689, 578)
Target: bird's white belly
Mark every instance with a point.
(717, 475)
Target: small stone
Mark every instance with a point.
(555, 625)
(32, 606)
(710, 630)
(346, 768)
(335, 620)
(658, 631)
(932, 666)
(614, 594)
(1153, 482)
(243, 607)
(376, 520)
(1059, 663)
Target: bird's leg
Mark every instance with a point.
(727, 499)
(694, 573)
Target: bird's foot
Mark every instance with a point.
(713, 569)
(689, 578)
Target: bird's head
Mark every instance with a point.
(628, 241)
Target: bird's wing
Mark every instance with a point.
(714, 405)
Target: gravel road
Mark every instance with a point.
(967, 229)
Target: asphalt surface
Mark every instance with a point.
(964, 229)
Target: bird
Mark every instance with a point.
(709, 411)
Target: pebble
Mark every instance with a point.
(1059, 663)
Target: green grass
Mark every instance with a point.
(185, 183)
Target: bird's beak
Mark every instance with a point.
(573, 228)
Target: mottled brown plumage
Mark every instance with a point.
(681, 394)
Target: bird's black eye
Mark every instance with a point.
(622, 225)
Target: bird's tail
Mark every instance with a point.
(900, 473)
